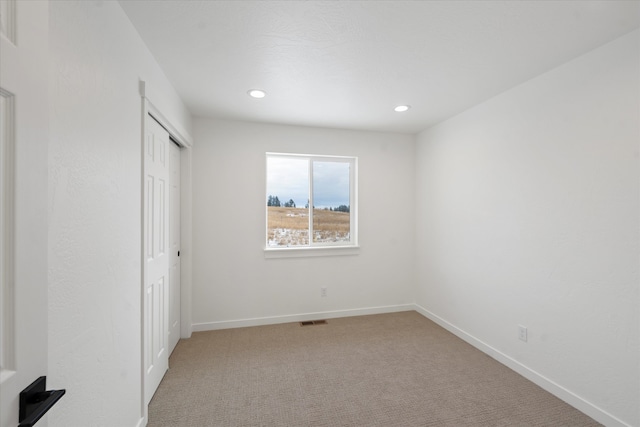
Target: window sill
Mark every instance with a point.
(311, 251)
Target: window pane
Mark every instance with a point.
(287, 202)
(331, 213)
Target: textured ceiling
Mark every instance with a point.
(346, 64)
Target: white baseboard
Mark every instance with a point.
(259, 321)
(142, 422)
(552, 387)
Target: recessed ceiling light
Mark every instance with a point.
(401, 108)
(257, 93)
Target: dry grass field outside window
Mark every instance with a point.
(290, 226)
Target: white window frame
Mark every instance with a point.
(323, 248)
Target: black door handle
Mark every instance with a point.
(35, 401)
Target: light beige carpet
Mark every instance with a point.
(396, 369)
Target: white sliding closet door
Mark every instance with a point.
(156, 255)
(174, 246)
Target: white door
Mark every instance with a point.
(156, 255)
(23, 200)
(174, 244)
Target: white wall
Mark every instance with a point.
(95, 210)
(232, 280)
(528, 213)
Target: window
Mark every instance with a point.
(310, 201)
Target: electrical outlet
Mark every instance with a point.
(522, 333)
(323, 291)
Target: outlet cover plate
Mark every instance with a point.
(522, 333)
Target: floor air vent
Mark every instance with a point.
(313, 322)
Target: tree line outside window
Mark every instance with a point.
(274, 201)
